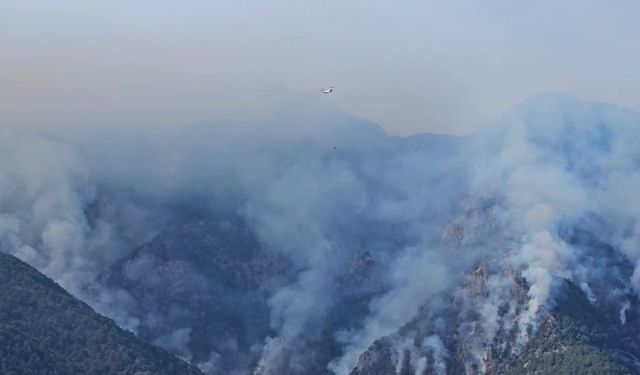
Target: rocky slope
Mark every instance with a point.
(201, 291)
(575, 337)
(478, 329)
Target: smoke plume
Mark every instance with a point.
(339, 201)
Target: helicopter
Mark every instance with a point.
(328, 91)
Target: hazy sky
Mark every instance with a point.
(412, 66)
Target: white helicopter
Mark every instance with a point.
(328, 91)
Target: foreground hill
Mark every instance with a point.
(45, 330)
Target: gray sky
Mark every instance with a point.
(409, 65)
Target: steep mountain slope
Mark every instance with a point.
(575, 338)
(201, 287)
(202, 290)
(44, 330)
(589, 329)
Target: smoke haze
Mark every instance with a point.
(321, 188)
(412, 67)
(129, 132)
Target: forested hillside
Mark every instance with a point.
(45, 330)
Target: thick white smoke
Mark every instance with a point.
(309, 185)
(415, 275)
(553, 161)
(440, 355)
(558, 161)
(321, 188)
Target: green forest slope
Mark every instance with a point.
(45, 330)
